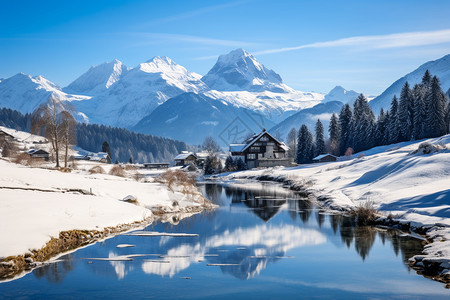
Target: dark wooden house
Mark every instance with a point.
(325, 158)
(39, 154)
(261, 150)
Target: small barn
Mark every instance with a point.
(325, 158)
(39, 154)
(185, 158)
(5, 136)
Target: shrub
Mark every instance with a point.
(130, 167)
(177, 177)
(117, 171)
(365, 213)
(23, 159)
(97, 170)
(427, 148)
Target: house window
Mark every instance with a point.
(251, 156)
(264, 139)
(254, 149)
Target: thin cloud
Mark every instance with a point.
(192, 39)
(397, 40)
(193, 13)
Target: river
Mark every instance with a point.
(263, 242)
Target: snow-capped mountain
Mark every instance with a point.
(338, 93)
(98, 78)
(309, 117)
(240, 71)
(140, 91)
(439, 67)
(25, 93)
(191, 117)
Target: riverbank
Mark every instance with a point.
(44, 212)
(409, 186)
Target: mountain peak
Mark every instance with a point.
(239, 70)
(98, 78)
(338, 93)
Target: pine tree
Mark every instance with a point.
(436, 105)
(385, 137)
(419, 112)
(426, 78)
(106, 149)
(393, 122)
(230, 166)
(240, 165)
(345, 123)
(334, 132)
(305, 145)
(130, 160)
(380, 128)
(405, 114)
(363, 125)
(320, 140)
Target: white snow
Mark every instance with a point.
(29, 218)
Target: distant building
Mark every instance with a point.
(185, 158)
(155, 165)
(6, 136)
(325, 158)
(39, 154)
(84, 155)
(261, 150)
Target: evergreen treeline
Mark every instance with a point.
(123, 143)
(421, 112)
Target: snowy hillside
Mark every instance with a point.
(309, 117)
(98, 78)
(140, 91)
(191, 117)
(25, 93)
(240, 71)
(439, 67)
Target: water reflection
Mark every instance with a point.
(255, 228)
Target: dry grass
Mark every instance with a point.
(365, 213)
(23, 159)
(130, 167)
(178, 178)
(117, 171)
(97, 170)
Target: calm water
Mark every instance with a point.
(263, 242)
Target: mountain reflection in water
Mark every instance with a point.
(256, 226)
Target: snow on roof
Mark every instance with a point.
(322, 156)
(23, 136)
(256, 137)
(184, 155)
(236, 147)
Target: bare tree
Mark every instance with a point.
(55, 121)
(68, 137)
(210, 145)
(292, 143)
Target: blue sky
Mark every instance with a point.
(313, 45)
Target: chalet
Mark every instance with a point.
(155, 165)
(261, 150)
(325, 158)
(5, 136)
(39, 154)
(185, 158)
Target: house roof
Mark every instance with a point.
(237, 147)
(252, 140)
(185, 155)
(35, 151)
(323, 155)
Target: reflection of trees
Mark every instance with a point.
(320, 218)
(347, 231)
(303, 207)
(213, 192)
(364, 240)
(55, 272)
(335, 220)
(264, 208)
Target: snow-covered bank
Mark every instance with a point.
(407, 185)
(37, 204)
